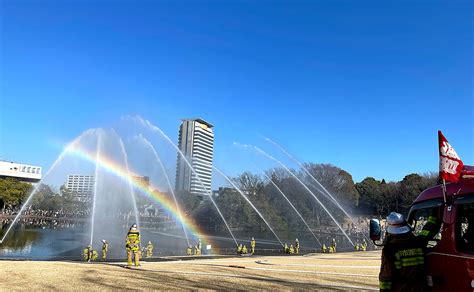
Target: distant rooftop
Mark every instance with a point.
(13, 162)
(200, 121)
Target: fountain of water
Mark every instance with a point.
(305, 169)
(38, 185)
(292, 206)
(96, 183)
(113, 206)
(157, 157)
(305, 187)
(154, 128)
(114, 202)
(129, 180)
(301, 165)
(248, 201)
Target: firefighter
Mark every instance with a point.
(291, 250)
(324, 248)
(403, 255)
(356, 246)
(333, 245)
(95, 255)
(244, 249)
(363, 246)
(199, 246)
(189, 250)
(196, 252)
(286, 248)
(149, 250)
(105, 249)
(239, 248)
(87, 253)
(253, 243)
(297, 246)
(132, 245)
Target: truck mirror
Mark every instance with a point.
(375, 230)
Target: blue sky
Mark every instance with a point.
(362, 85)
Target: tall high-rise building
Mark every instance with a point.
(196, 141)
(81, 185)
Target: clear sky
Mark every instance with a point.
(362, 85)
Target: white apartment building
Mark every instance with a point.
(81, 185)
(196, 142)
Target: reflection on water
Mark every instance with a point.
(39, 243)
(68, 243)
(20, 241)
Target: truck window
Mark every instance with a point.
(465, 227)
(421, 213)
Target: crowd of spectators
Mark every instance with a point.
(39, 218)
(44, 218)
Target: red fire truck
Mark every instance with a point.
(450, 255)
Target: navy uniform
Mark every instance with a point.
(403, 256)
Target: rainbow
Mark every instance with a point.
(121, 172)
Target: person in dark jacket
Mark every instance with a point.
(403, 255)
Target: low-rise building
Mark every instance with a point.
(19, 171)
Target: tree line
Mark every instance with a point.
(14, 193)
(370, 197)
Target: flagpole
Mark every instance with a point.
(444, 191)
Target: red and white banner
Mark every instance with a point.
(450, 165)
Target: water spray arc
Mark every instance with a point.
(302, 166)
(96, 183)
(129, 180)
(158, 159)
(292, 206)
(36, 188)
(305, 187)
(248, 201)
(154, 128)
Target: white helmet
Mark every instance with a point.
(397, 224)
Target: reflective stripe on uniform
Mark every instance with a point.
(133, 240)
(385, 285)
(409, 262)
(408, 253)
(409, 257)
(432, 219)
(424, 233)
(413, 261)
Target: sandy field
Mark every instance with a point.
(326, 272)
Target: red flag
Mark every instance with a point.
(450, 165)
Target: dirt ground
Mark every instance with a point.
(329, 272)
